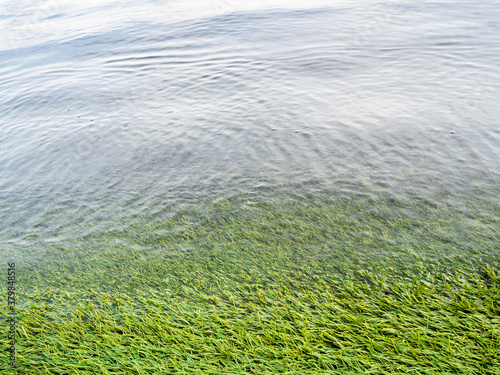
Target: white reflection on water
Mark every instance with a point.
(27, 23)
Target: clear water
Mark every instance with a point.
(118, 109)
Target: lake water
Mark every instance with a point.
(125, 108)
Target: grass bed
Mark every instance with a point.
(314, 284)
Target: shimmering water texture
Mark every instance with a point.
(222, 187)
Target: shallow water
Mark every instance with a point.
(122, 109)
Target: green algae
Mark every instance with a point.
(322, 283)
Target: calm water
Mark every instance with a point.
(128, 108)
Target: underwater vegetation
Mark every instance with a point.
(323, 283)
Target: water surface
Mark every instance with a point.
(117, 110)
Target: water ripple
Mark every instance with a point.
(146, 118)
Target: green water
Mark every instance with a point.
(325, 233)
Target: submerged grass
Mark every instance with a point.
(318, 284)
